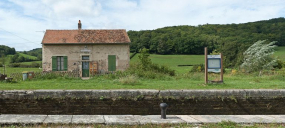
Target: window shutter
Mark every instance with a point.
(65, 63)
(54, 63)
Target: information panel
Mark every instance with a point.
(214, 63)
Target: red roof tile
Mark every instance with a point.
(85, 36)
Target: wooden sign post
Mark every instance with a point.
(206, 65)
(213, 63)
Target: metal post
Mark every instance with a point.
(163, 107)
(206, 65)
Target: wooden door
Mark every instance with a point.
(85, 69)
(93, 68)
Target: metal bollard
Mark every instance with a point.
(163, 107)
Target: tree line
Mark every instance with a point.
(230, 39)
(5, 50)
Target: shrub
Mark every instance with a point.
(14, 65)
(280, 64)
(146, 69)
(198, 68)
(258, 57)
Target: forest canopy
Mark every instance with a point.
(230, 39)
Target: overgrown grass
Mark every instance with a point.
(183, 81)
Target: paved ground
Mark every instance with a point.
(137, 119)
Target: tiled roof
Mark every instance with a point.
(85, 36)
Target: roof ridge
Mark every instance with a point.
(81, 29)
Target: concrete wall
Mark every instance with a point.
(98, 53)
(143, 102)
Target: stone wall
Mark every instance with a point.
(142, 102)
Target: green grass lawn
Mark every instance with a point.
(280, 53)
(174, 60)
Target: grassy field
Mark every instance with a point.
(27, 56)
(174, 60)
(280, 53)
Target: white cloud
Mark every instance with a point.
(25, 17)
(73, 8)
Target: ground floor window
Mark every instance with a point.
(59, 63)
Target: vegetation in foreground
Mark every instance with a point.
(186, 81)
(148, 75)
(224, 124)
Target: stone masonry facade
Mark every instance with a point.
(97, 53)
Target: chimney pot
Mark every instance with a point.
(79, 24)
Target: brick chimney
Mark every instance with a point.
(79, 25)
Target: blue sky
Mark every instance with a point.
(22, 21)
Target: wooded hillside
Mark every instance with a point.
(230, 39)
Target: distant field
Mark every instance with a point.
(27, 56)
(280, 52)
(39, 62)
(174, 60)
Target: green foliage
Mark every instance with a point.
(198, 68)
(2, 59)
(36, 53)
(145, 68)
(21, 57)
(231, 39)
(259, 57)
(7, 50)
(145, 61)
(280, 64)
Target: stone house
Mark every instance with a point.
(86, 51)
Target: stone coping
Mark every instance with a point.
(10, 119)
(145, 93)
